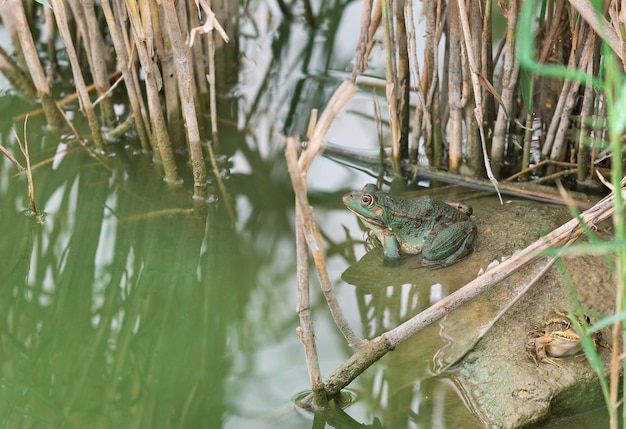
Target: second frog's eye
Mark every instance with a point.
(367, 200)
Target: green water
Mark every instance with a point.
(120, 312)
(123, 310)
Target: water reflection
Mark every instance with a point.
(107, 319)
(401, 390)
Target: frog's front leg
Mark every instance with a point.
(540, 352)
(391, 246)
(447, 245)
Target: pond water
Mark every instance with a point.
(123, 309)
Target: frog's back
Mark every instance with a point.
(429, 208)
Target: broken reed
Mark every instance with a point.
(527, 118)
(151, 38)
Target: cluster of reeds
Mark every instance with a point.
(481, 111)
(163, 52)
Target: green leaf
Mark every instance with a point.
(526, 87)
(44, 2)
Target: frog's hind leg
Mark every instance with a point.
(450, 245)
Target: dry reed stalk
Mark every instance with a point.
(85, 102)
(571, 99)
(163, 149)
(476, 86)
(85, 17)
(163, 48)
(403, 82)
(486, 54)
(528, 136)
(546, 87)
(377, 347)
(560, 117)
(471, 140)
(198, 52)
(185, 87)
(197, 66)
(213, 106)
(377, 17)
(134, 94)
(308, 236)
(16, 76)
(133, 57)
(430, 79)
(584, 151)
(510, 75)
(316, 142)
(207, 28)
(50, 30)
(306, 330)
(360, 58)
(212, 22)
(14, 18)
(554, 124)
(422, 118)
(476, 47)
(601, 26)
(392, 87)
(456, 103)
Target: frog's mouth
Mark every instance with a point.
(370, 221)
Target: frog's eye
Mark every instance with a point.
(588, 320)
(564, 323)
(367, 200)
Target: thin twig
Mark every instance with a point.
(29, 171)
(11, 158)
(307, 235)
(316, 141)
(306, 330)
(209, 25)
(316, 245)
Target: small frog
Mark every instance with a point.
(557, 338)
(442, 232)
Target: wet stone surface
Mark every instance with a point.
(505, 387)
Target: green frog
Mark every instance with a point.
(557, 338)
(442, 232)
